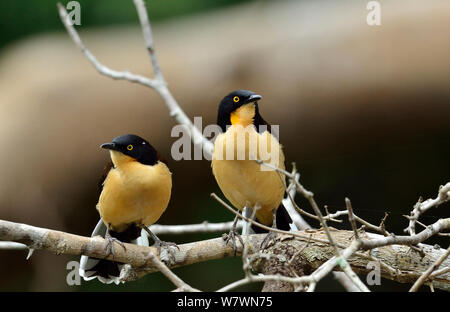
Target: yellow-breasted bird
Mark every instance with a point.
(243, 181)
(135, 192)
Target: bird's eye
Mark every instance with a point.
(130, 147)
(236, 99)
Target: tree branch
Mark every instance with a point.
(315, 251)
(158, 84)
(159, 229)
(421, 206)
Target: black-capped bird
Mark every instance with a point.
(135, 192)
(243, 181)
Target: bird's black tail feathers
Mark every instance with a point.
(282, 218)
(107, 271)
(107, 268)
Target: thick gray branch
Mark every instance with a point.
(309, 247)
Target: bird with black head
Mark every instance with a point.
(135, 192)
(243, 181)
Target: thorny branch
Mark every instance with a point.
(389, 239)
(60, 242)
(421, 206)
(311, 249)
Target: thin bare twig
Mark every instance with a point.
(289, 202)
(148, 38)
(351, 217)
(12, 246)
(204, 227)
(158, 84)
(421, 206)
(341, 260)
(440, 225)
(425, 226)
(102, 69)
(440, 272)
(181, 285)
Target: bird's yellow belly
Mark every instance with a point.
(243, 182)
(137, 196)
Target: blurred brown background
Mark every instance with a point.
(363, 110)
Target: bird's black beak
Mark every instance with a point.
(254, 98)
(110, 146)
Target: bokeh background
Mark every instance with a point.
(364, 112)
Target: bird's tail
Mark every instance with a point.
(283, 220)
(107, 271)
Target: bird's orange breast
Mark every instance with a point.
(243, 181)
(135, 193)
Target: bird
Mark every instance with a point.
(243, 181)
(135, 191)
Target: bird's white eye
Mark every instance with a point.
(130, 147)
(143, 142)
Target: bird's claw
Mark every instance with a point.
(166, 251)
(110, 244)
(270, 238)
(161, 243)
(232, 237)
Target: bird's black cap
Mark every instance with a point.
(233, 101)
(135, 147)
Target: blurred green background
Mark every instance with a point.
(363, 111)
(27, 18)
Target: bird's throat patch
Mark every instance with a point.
(243, 115)
(119, 159)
